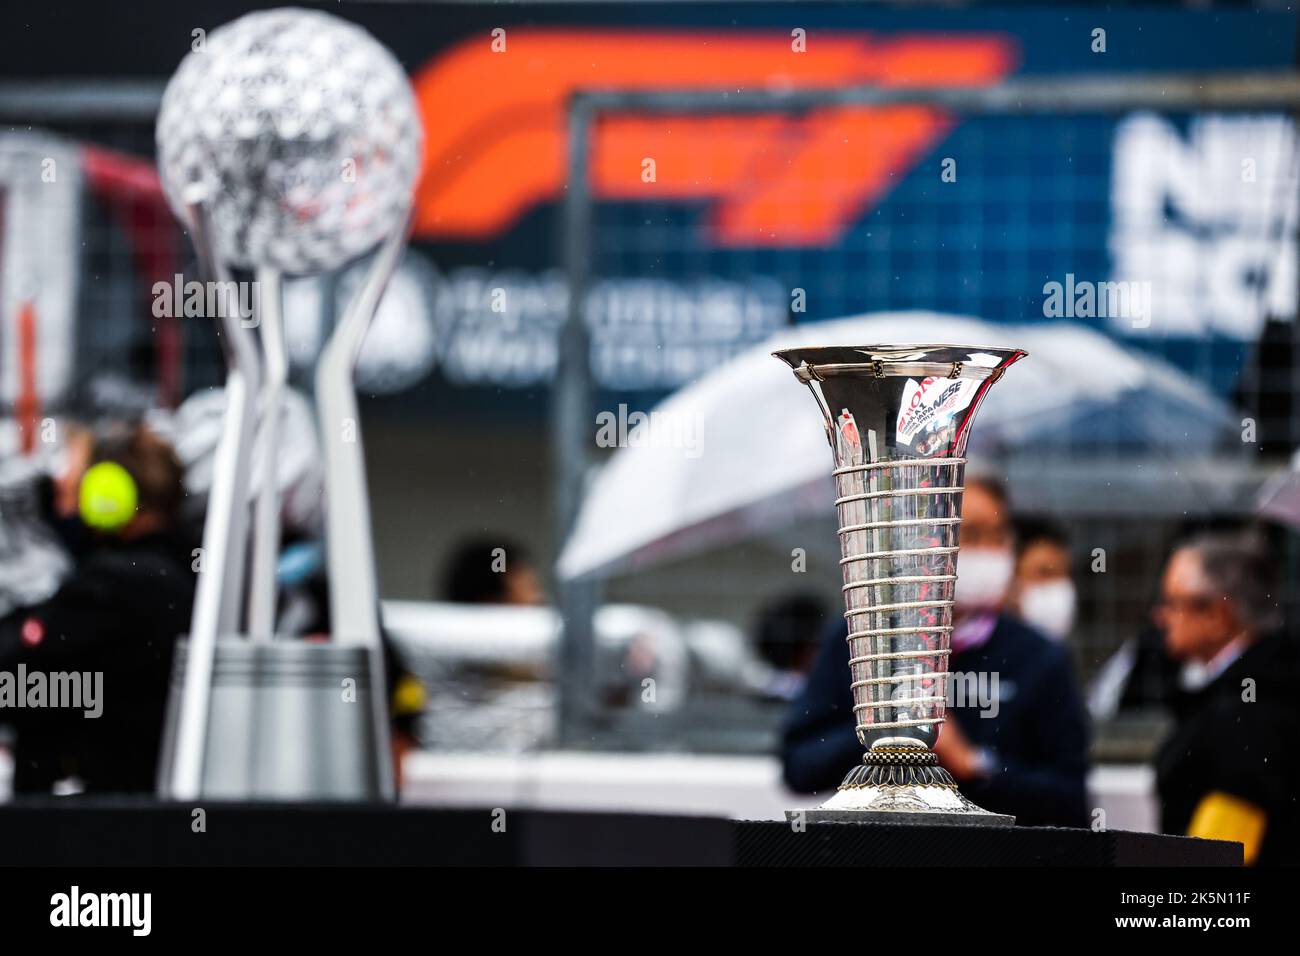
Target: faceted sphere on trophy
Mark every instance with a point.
(300, 130)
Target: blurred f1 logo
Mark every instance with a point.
(495, 126)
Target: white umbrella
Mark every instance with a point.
(1279, 499)
(740, 450)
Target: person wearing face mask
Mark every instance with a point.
(1042, 593)
(1019, 744)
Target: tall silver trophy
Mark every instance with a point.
(898, 418)
(289, 143)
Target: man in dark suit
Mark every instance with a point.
(1021, 749)
(1229, 770)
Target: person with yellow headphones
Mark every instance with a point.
(118, 614)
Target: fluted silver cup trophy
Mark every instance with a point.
(898, 418)
(289, 142)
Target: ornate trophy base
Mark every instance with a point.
(900, 786)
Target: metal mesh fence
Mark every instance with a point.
(1153, 198)
(1023, 210)
(122, 353)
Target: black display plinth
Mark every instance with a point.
(862, 844)
(84, 832)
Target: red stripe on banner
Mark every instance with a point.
(27, 407)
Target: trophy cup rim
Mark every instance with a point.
(898, 352)
(878, 361)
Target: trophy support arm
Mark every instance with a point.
(266, 526)
(218, 596)
(350, 551)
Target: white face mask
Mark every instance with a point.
(983, 576)
(1049, 606)
(1193, 675)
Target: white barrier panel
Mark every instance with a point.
(743, 788)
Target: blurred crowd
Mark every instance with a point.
(101, 532)
(1216, 656)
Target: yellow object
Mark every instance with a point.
(1221, 816)
(108, 496)
(409, 696)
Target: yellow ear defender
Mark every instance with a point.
(108, 497)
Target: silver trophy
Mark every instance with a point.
(289, 143)
(898, 418)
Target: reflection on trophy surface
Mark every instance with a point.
(302, 130)
(898, 419)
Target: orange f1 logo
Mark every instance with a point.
(495, 126)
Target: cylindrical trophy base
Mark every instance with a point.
(288, 720)
(900, 786)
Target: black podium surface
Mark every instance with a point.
(75, 832)
(838, 844)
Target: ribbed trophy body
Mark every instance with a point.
(898, 418)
